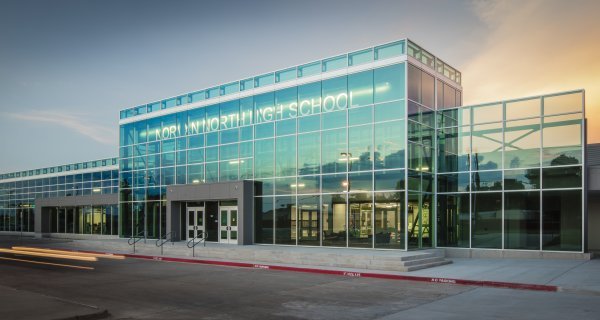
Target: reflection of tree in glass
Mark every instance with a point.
(530, 180)
(480, 165)
(392, 160)
(515, 162)
(563, 160)
(533, 175)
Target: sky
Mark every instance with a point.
(68, 66)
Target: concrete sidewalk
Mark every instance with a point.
(573, 275)
(581, 276)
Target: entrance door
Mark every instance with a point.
(228, 224)
(195, 222)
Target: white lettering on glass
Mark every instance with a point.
(265, 114)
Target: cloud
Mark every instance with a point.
(536, 47)
(490, 12)
(101, 134)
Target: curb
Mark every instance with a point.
(356, 274)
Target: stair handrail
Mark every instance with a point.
(169, 236)
(192, 242)
(135, 239)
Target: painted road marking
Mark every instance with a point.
(71, 253)
(48, 255)
(48, 263)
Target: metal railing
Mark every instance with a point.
(170, 236)
(135, 239)
(202, 235)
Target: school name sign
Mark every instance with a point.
(305, 107)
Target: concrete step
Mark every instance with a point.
(427, 265)
(417, 262)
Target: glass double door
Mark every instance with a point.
(195, 222)
(228, 224)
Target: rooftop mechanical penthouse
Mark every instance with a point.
(370, 149)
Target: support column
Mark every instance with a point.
(174, 219)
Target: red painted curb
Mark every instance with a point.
(479, 283)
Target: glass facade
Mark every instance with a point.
(19, 190)
(381, 156)
(85, 220)
(510, 174)
(314, 151)
(381, 52)
(370, 149)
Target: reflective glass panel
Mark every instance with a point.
(453, 220)
(563, 103)
(389, 180)
(285, 156)
(264, 158)
(286, 103)
(522, 142)
(360, 57)
(309, 220)
(389, 50)
(335, 63)
(358, 116)
(561, 220)
(487, 146)
(334, 220)
(309, 99)
(389, 220)
(285, 220)
(333, 148)
(264, 107)
(308, 184)
(360, 220)
(389, 111)
(309, 69)
(562, 141)
(360, 148)
(360, 88)
(522, 179)
(561, 177)
(487, 180)
(334, 95)
(454, 182)
(523, 109)
(263, 220)
(307, 124)
(487, 220)
(487, 113)
(389, 145)
(522, 220)
(309, 153)
(389, 83)
(361, 181)
(334, 183)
